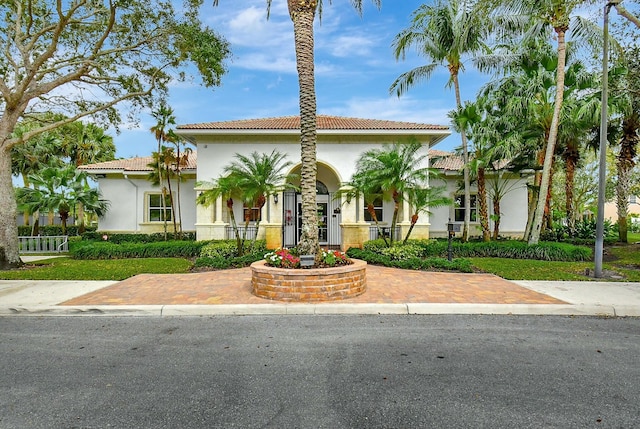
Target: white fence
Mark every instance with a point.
(44, 244)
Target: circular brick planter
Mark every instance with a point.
(308, 285)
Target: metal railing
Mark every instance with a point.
(251, 232)
(375, 233)
(44, 244)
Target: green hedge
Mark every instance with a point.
(107, 250)
(134, 238)
(50, 230)
(411, 263)
(543, 251)
(233, 262)
(229, 248)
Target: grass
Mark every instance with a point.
(110, 269)
(621, 259)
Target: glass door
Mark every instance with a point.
(323, 218)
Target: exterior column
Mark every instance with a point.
(273, 226)
(354, 229)
(209, 224)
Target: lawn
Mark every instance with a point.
(110, 269)
(621, 259)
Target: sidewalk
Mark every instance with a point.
(389, 291)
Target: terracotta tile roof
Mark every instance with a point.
(134, 164)
(452, 162)
(325, 122)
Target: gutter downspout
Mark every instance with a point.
(137, 227)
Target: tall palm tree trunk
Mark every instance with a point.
(302, 14)
(465, 160)
(570, 165)
(624, 165)
(553, 136)
(482, 205)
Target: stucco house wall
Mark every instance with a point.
(340, 143)
(124, 184)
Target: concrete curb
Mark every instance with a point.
(323, 309)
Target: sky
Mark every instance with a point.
(354, 63)
(355, 67)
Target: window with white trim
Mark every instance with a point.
(458, 209)
(377, 208)
(155, 211)
(253, 213)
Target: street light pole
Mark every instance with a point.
(602, 172)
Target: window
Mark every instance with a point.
(459, 209)
(633, 199)
(253, 213)
(154, 205)
(377, 208)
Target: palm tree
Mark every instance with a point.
(181, 160)
(302, 13)
(225, 187)
(395, 170)
(444, 32)
(259, 176)
(161, 169)
(254, 178)
(61, 190)
(164, 119)
(423, 199)
(537, 18)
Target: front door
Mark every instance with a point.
(323, 218)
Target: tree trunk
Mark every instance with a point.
(465, 160)
(303, 14)
(9, 251)
(496, 222)
(624, 165)
(482, 202)
(570, 165)
(551, 143)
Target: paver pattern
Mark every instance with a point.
(384, 286)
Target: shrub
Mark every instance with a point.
(228, 249)
(49, 230)
(108, 250)
(462, 265)
(224, 263)
(401, 252)
(119, 238)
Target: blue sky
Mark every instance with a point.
(354, 68)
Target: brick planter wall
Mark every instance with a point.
(308, 285)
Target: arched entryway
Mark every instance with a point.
(329, 211)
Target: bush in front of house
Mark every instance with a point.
(119, 238)
(222, 254)
(411, 263)
(512, 249)
(108, 250)
(51, 230)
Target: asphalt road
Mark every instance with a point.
(320, 372)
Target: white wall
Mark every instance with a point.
(514, 208)
(127, 209)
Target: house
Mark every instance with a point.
(135, 205)
(340, 142)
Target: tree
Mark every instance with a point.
(161, 170)
(622, 11)
(445, 32)
(181, 160)
(540, 17)
(254, 179)
(61, 190)
(86, 143)
(423, 199)
(85, 58)
(302, 13)
(395, 169)
(164, 120)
